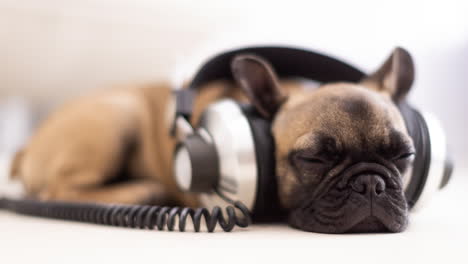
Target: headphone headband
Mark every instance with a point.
(287, 62)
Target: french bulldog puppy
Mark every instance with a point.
(342, 150)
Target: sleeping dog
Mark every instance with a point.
(342, 150)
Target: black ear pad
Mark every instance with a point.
(266, 206)
(419, 132)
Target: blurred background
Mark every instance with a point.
(51, 50)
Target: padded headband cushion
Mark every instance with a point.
(419, 132)
(288, 62)
(266, 206)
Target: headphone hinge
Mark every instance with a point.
(183, 112)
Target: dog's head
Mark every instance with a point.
(342, 150)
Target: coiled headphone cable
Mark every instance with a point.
(134, 216)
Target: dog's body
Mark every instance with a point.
(81, 151)
(115, 146)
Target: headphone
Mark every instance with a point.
(231, 151)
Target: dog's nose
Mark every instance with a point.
(368, 184)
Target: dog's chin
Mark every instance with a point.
(370, 224)
(355, 214)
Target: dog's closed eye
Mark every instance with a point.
(308, 165)
(403, 160)
(405, 156)
(312, 156)
(310, 159)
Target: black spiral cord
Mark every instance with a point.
(132, 216)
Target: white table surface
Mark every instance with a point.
(437, 234)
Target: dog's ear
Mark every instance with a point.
(259, 81)
(395, 76)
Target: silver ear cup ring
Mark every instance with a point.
(437, 163)
(431, 168)
(232, 137)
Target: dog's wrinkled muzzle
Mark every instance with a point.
(366, 198)
(369, 185)
(383, 207)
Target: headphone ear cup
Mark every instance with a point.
(418, 131)
(266, 206)
(432, 167)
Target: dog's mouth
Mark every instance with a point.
(361, 202)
